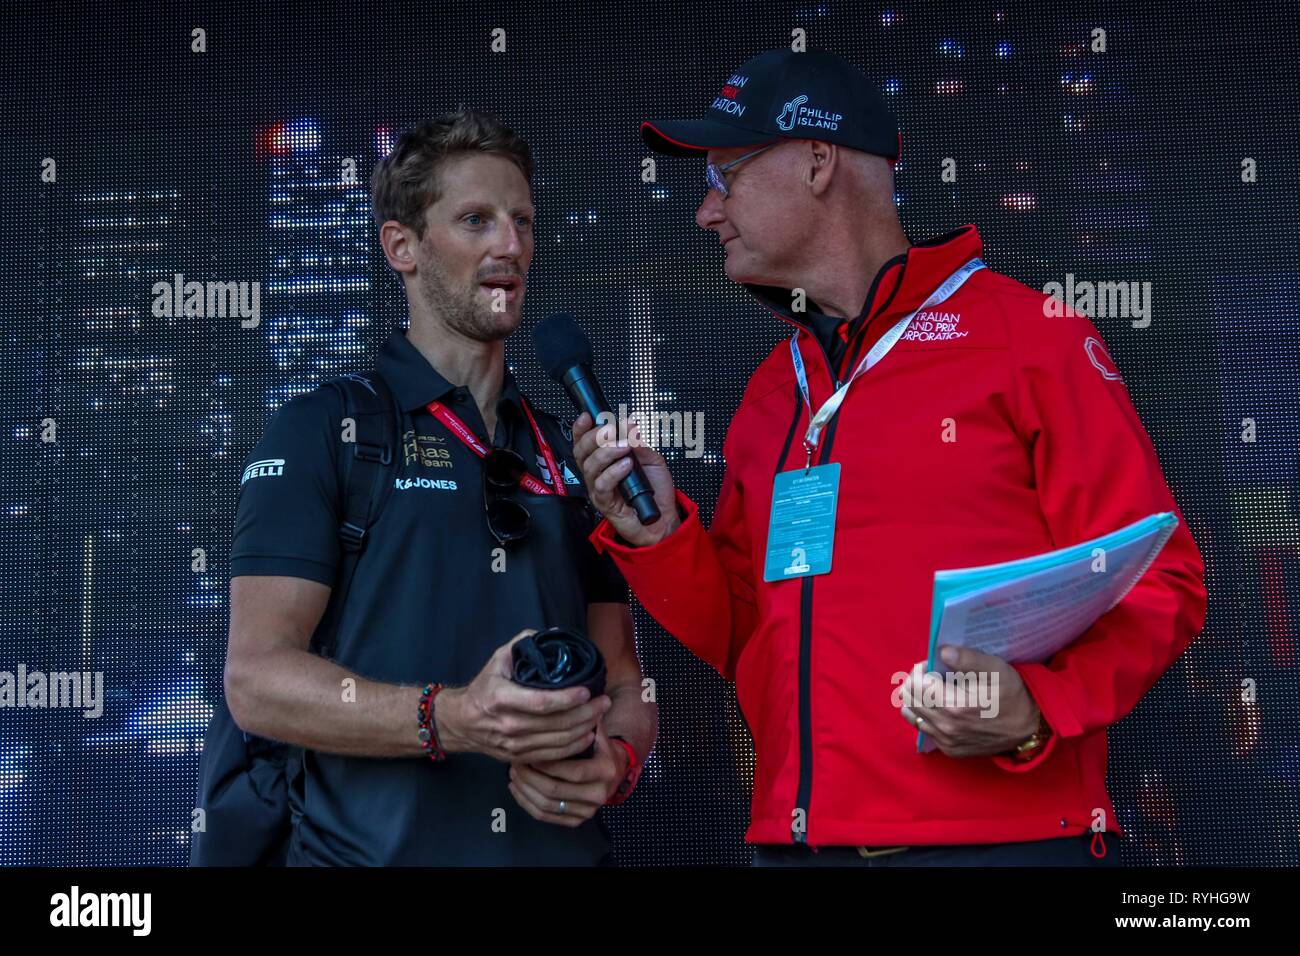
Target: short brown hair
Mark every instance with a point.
(405, 182)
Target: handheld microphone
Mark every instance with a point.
(564, 351)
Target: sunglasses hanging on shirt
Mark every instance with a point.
(507, 518)
(504, 473)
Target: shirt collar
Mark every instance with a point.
(902, 284)
(415, 382)
(511, 397)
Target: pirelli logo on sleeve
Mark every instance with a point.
(266, 468)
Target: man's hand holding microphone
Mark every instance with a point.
(605, 462)
(627, 481)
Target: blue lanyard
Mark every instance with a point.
(878, 351)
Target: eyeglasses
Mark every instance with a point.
(507, 519)
(713, 172)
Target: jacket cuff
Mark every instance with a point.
(1043, 687)
(605, 539)
(1012, 765)
(1052, 695)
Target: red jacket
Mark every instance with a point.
(1048, 452)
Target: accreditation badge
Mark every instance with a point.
(801, 530)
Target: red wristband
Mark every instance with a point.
(628, 783)
(427, 731)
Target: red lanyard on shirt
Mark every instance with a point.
(470, 440)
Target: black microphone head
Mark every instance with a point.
(561, 344)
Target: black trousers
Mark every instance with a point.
(1058, 851)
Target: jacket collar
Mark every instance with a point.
(415, 383)
(902, 285)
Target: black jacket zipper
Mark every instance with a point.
(799, 821)
(803, 795)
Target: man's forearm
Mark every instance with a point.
(684, 585)
(633, 719)
(301, 698)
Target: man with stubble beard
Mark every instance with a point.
(418, 747)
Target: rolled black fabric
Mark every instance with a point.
(558, 658)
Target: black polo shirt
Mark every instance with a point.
(425, 605)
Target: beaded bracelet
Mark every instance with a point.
(427, 732)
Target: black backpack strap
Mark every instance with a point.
(365, 482)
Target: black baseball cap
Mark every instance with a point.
(786, 95)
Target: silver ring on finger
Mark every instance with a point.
(564, 807)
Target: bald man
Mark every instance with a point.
(926, 413)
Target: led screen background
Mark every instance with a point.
(226, 165)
